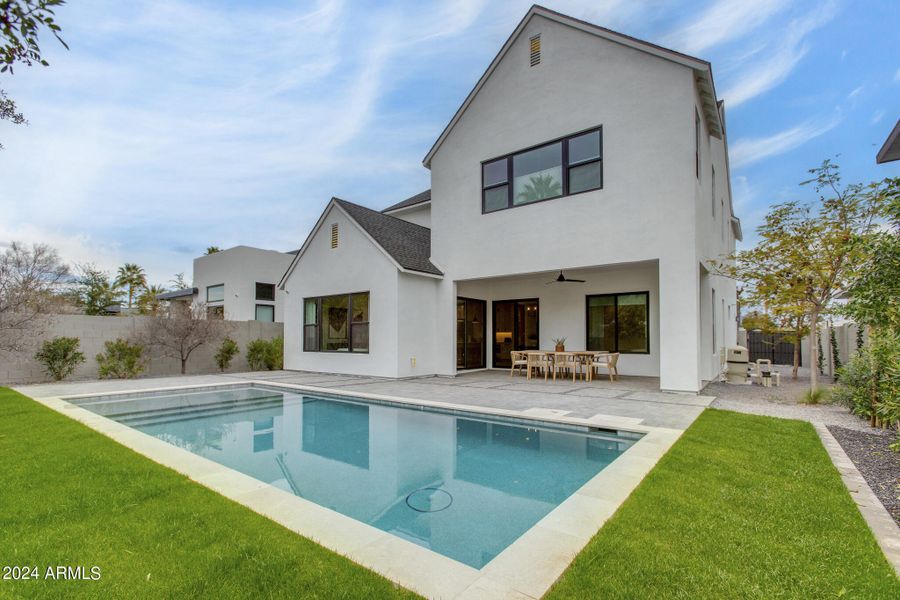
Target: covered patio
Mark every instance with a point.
(612, 308)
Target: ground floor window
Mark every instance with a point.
(265, 312)
(215, 312)
(338, 323)
(619, 322)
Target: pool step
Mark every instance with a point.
(207, 409)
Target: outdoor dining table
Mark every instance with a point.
(580, 354)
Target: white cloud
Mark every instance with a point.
(785, 53)
(747, 151)
(897, 76)
(723, 21)
(856, 92)
(876, 118)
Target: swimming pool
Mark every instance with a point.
(464, 485)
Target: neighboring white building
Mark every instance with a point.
(238, 284)
(581, 154)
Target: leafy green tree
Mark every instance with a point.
(95, 291)
(133, 277)
(60, 356)
(20, 23)
(179, 282)
(213, 250)
(147, 301)
(809, 254)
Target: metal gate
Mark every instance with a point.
(771, 346)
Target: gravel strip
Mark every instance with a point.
(877, 463)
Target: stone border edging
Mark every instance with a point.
(879, 520)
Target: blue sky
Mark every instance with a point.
(173, 125)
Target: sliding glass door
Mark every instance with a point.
(470, 333)
(516, 327)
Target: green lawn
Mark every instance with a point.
(70, 496)
(741, 507)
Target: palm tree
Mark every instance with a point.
(133, 276)
(147, 302)
(540, 187)
(213, 249)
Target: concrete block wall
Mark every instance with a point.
(93, 332)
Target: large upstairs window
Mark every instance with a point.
(563, 167)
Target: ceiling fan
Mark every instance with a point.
(563, 279)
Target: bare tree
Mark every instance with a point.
(29, 278)
(184, 329)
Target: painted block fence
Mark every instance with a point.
(95, 331)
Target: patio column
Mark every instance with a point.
(679, 324)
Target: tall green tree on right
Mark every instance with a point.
(808, 254)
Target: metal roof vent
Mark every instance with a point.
(535, 50)
(334, 235)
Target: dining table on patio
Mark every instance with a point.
(577, 359)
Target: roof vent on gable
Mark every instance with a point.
(334, 235)
(535, 50)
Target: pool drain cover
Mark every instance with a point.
(429, 499)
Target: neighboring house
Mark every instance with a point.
(238, 284)
(581, 154)
(890, 151)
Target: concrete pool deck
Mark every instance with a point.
(527, 567)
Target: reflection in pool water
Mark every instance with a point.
(461, 485)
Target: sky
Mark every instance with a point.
(170, 126)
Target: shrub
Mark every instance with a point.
(60, 356)
(870, 381)
(121, 360)
(226, 353)
(266, 354)
(817, 396)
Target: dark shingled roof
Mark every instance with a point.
(409, 244)
(184, 293)
(417, 199)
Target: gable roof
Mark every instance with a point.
(891, 149)
(702, 69)
(420, 198)
(405, 244)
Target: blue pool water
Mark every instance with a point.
(460, 484)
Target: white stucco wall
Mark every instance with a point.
(417, 317)
(356, 265)
(240, 268)
(646, 210)
(420, 214)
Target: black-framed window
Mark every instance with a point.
(562, 167)
(713, 183)
(215, 293)
(215, 312)
(619, 322)
(338, 323)
(265, 292)
(265, 312)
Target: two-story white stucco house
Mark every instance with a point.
(238, 284)
(580, 191)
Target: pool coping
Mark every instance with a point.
(524, 569)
